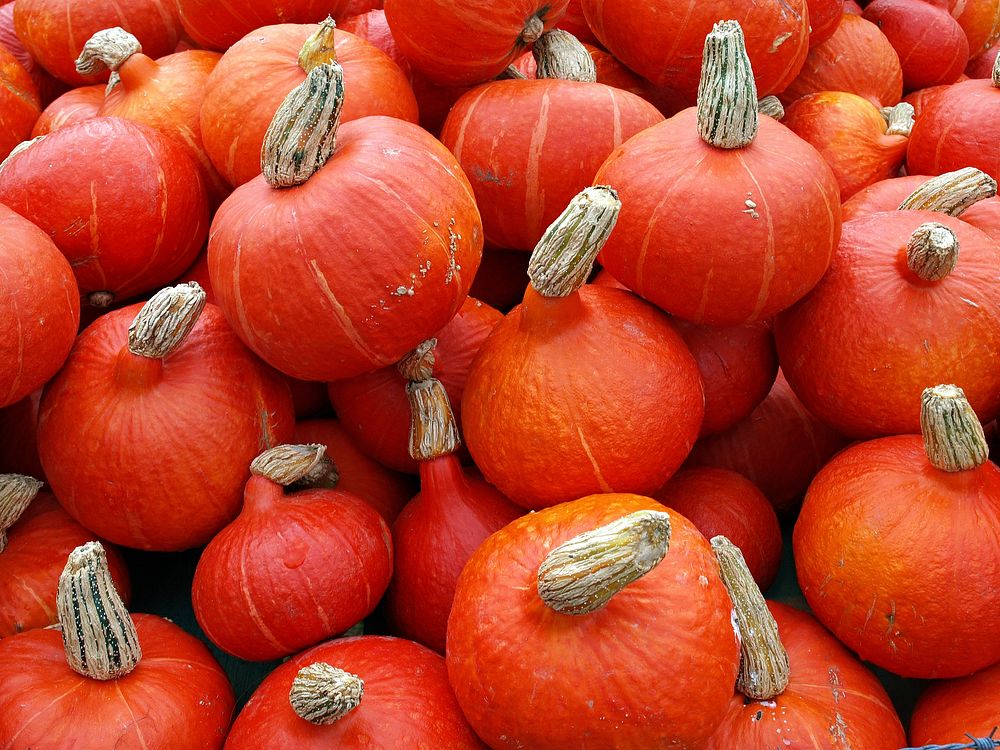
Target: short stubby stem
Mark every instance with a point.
(16, 493)
(932, 251)
(165, 321)
(953, 436)
(322, 694)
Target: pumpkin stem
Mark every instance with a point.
(764, 668)
(511, 73)
(898, 119)
(534, 27)
(106, 50)
(165, 321)
(952, 192)
(303, 133)
(304, 466)
(100, 300)
(727, 93)
(98, 634)
(16, 493)
(771, 106)
(319, 47)
(559, 54)
(932, 251)
(996, 73)
(322, 694)
(564, 257)
(582, 575)
(953, 436)
(419, 364)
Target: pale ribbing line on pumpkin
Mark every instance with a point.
(727, 93)
(953, 436)
(98, 634)
(319, 48)
(433, 431)
(771, 106)
(304, 466)
(107, 50)
(323, 694)
(564, 257)
(16, 493)
(898, 119)
(764, 667)
(932, 251)
(165, 321)
(951, 193)
(559, 54)
(581, 575)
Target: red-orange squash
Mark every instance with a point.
(70, 108)
(824, 18)
(19, 103)
(950, 710)
(48, 87)
(982, 66)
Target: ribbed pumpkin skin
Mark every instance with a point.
(177, 698)
(290, 571)
(76, 105)
(760, 222)
(897, 557)
(850, 134)
(958, 129)
(407, 702)
(528, 147)
(719, 501)
(511, 659)
(332, 299)
(218, 26)
(664, 42)
(544, 413)
(980, 20)
(143, 479)
(433, 539)
(872, 336)
(465, 42)
(374, 407)
(19, 103)
(945, 711)
(383, 489)
(258, 72)
(39, 308)
(37, 548)
(121, 201)
(54, 31)
(858, 59)
(831, 701)
(48, 87)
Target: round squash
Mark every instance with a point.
(951, 710)
(76, 105)
(20, 105)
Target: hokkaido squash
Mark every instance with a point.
(953, 710)
(70, 108)
(20, 105)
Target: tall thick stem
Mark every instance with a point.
(559, 54)
(320, 47)
(165, 321)
(952, 192)
(953, 436)
(727, 93)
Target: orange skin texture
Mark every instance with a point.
(947, 710)
(433, 539)
(872, 336)
(178, 410)
(37, 547)
(824, 18)
(832, 701)
(256, 74)
(178, 696)
(543, 412)
(850, 133)
(407, 702)
(877, 570)
(460, 43)
(529, 146)
(932, 47)
(958, 129)
(19, 102)
(982, 66)
(727, 262)
(54, 31)
(383, 489)
(18, 438)
(335, 281)
(608, 679)
(779, 447)
(76, 105)
(121, 201)
(980, 20)
(663, 42)
(290, 571)
(219, 26)
(922, 97)
(48, 87)
(857, 58)
(719, 501)
(374, 407)
(39, 308)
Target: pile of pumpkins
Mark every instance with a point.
(219, 220)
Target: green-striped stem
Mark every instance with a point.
(932, 251)
(898, 119)
(564, 257)
(771, 106)
(952, 192)
(319, 48)
(559, 54)
(98, 634)
(322, 694)
(953, 436)
(16, 493)
(727, 93)
(107, 50)
(763, 671)
(165, 321)
(582, 575)
(297, 466)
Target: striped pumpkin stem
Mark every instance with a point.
(559, 54)
(953, 436)
(727, 93)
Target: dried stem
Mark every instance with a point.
(559, 54)
(727, 93)
(932, 251)
(16, 493)
(301, 466)
(107, 50)
(322, 694)
(898, 119)
(953, 437)
(952, 192)
(165, 321)
(771, 106)
(419, 364)
(433, 432)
